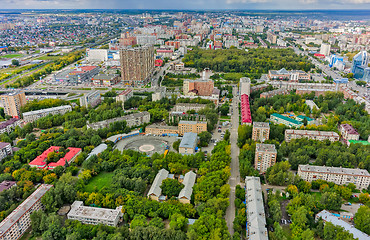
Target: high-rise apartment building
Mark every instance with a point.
(137, 65)
(325, 49)
(12, 103)
(261, 131)
(265, 157)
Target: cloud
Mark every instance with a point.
(308, 1)
(246, 1)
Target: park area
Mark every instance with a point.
(100, 181)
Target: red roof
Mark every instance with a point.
(40, 161)
(245, 109)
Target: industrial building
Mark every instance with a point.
(291, 134)
(261, 131)
(135, 119)
(337, 175)
(19, 221)
(137, 65)
(12, 103)
(265, 157)
(188, 143)
(32, 116)
(94, 215)
(255, 211)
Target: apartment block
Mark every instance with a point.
(261, 131)
(12, 103)
(184, 107)
(198, 87)
(291, 134)
(5, 150)
(135, 119)
(255, 211)
(265, 156)
(94, 215)
(348, 132)
(274, 93)
(34, 115)
(137, 65)
(16, 224)
(91, 99)
(192, 126)
(9, 125)
(337, 175)
(280, 119)
(124, 96)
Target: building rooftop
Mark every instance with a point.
(359, 141)
(24, 207)
(312, 133)
(349, 129)
(262, 147)
(256, 220)
(287, 119)
(40, 161)
(334, 170)
(190, 122)
(5, 185)
(4, 144)
(97, 150)
(189, 181)
(329, 217)
(47, 110)
(245, 109)
(157, 126)
(125, 92)
(189, 140)
(245, 80)
(104, 76)
(78, 209)
(8, 122)
(155, 189)
(305, 117)
(128, 117)
(261, 124)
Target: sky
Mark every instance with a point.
(187, 4)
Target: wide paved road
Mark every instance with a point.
(234, 178)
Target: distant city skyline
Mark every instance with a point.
(190, 4)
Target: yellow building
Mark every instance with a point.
(12, 103)
(192, 126)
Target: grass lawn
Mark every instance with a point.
(317, 195)
(103, 179)
(11, 56)
(46, 58)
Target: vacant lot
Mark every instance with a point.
(103, 179)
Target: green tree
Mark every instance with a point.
(171, 187)
(204, 138)
(362, 220)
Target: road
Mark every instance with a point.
(234, 177)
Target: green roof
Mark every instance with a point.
(358, 141)
(287, 118)
(305, 117)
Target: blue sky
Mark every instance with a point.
(186, 4)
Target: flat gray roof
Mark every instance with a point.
(189, 122)
(79, 210)
(261, 147)
(47, 110)
(334, 170)
(189, 140)
(261, 124)
(311, 133)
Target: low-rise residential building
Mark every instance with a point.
(191, 126)
(261, 131)
(245, 110)
(105, 80)
(135, 119)
(155, 191)
(34, 115)
(348, 132)
(19, 221)
(274, 93)
(310, 134)
(337, 175)
(297, 85)
(188, 143)
(5, 150)
(9, 125)
(184, 107)
(157, 129)
(124, 96)
(185, 193)
(329, 217)
(94, 215)
(265, 156)
(91, 99)
(5, 185)
(255, 211)
(159, 94)
(41, 160)
(280, 119)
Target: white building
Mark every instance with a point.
(17, 223)
(256, 219)
(135, 119)
(325, 49)
(91, 99)
(245, 86)
(94, 215)
(5, 150)
(329, 217)
(9, 125)
(337, 175)
(184, 107)
(97, 55)
(314, 135)
(124, 96)
(34, 115)
(311, 104)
